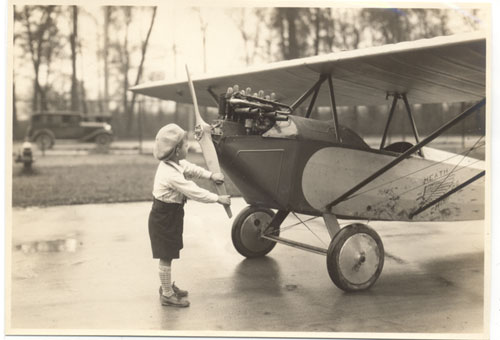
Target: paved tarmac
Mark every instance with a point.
(87, 269)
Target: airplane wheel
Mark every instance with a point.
(355, 257)
(246, 231)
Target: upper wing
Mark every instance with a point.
(442, 69)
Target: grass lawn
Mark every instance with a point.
(82, 177)
(94, 178)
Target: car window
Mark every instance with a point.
(55, 119)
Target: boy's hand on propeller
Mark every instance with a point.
(217, 177)
(224, 199)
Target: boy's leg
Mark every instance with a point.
(165, 272)
(166, 279)
(168, 296)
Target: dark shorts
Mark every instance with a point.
(166, 224)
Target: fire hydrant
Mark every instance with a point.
(26, 156)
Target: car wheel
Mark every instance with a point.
(44, 141)
(103, 139)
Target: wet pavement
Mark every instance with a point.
(87, 269)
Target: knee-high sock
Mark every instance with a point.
(165, 269)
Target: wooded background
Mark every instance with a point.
(130, 45)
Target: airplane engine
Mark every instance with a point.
(255, 113)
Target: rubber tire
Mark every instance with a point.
(103, 139)
(332, 258)
(44, 137)
(236, 233)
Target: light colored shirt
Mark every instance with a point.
(172, 184)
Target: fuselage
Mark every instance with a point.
(300, 165)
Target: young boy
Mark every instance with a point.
(170, 190)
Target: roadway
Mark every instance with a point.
(87, 269)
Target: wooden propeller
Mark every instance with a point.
(203, 135)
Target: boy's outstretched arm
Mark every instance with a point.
(224, 199)
(217, 177)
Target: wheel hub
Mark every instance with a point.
(359, 258)
(251, 231)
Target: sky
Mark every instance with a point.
(176, 23)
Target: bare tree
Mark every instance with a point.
(250, 32)
(42, 43)
(105, 48)
(317, 18)
(471, 20)
(144, 48)
(17, 18)
(430, 23)
(203, 28)
(73, 43)
(293, 28)
(388, 25)
(125, 63)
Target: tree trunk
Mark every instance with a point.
(83, 98)
(73, 42)
(281, 28)
(34, 100)
(43, 99)
(14, 106)
(107, 15)
(14, 110)
(141, 65)
(126, 67)
(35, 45)
(316, 30)
(293, 48)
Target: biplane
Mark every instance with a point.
(284, 162)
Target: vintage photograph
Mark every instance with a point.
(242, 170)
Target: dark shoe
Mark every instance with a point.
(178, 291)
(174, 301)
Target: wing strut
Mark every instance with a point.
(334, 107)
(391, 113)
(412, 121)
(306, 94)
(314, 90)
(312, 102)
(396, 97)
(407, 153)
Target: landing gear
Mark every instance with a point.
(355, 257)
(247, 230)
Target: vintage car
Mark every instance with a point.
(46, 127)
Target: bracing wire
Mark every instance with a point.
(451, 172)
(454, 170)
(464, 154)
(297, 217)
(296, 224)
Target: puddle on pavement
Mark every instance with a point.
(68, 245)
